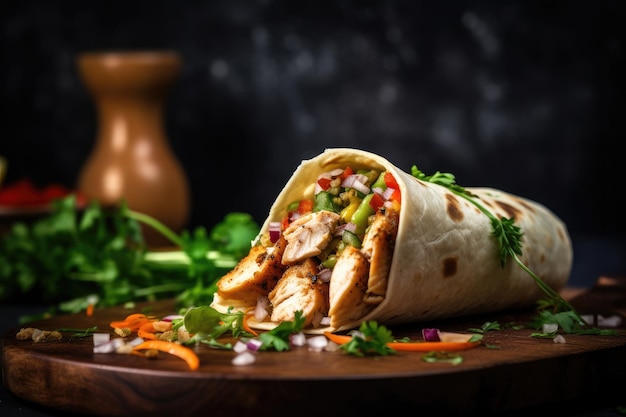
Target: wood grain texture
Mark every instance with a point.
(521, 372)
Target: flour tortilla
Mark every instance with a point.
(446, 260)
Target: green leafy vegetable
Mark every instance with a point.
(486, 327)
(371, 338)
(509, 237)
(450, 357)
(208, 324)
(278, 337)
(72, 258)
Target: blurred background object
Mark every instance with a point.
(3, 169)
(131, 159)
(522, 96)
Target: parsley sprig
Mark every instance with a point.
(370, 339)
(509, 237)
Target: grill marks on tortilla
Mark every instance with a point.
(453, 208)
(449, 267)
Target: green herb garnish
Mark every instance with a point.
(453, 358)
(371, 339)
(278, 337)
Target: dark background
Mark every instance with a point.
(521, 96)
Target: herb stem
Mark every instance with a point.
(154, 223)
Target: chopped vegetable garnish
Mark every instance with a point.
(412, 346)
(172, 348)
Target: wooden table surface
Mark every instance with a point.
(510, 372)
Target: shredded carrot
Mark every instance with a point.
(146, 331)
(176, 349)
(133, 322)
(411, 346)
(246, 326)
(89, 310)
(428, 346)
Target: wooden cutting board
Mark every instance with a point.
(510, 372)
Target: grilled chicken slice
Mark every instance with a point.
(308, 235)
(300, 289)
(378, 246)
(348, 285)
(256, 274)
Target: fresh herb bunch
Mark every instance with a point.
(73, 258)
(509, 237)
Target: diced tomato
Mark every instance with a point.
(390, 181)
(305, 206)
(324, 183)
(376, 201)
(346, 172)
(395, 196)
(285, 223)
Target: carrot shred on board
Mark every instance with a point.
(89, 310)
(411, 346)
(146, 331)
(133, 322)
(176, 349)
(246, 326)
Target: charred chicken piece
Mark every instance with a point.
(378, 246)
(348, 286)
(256, 274)
(300, 289)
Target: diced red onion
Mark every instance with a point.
(325, 321)
(317, 343)
(378, 190)
(101, 338)
(387, 193)
(611, 321)
(350, 227)
(240, 347)
(430, 335)
(110, 346)
(107, 347)
(297, 339)
(254, 345)
(274, 229)
(357, 333)
(559, 339)
(136, 341)
(356, 181)
(172, 317)
(550, 328)
(325, 274)
(260, 310)
(244, 358)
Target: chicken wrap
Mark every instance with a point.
(352, 238)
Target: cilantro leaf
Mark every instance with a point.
(371, 338)
(278, 337)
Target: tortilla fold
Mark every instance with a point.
(446, 260)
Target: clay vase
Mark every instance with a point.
(131, 159)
